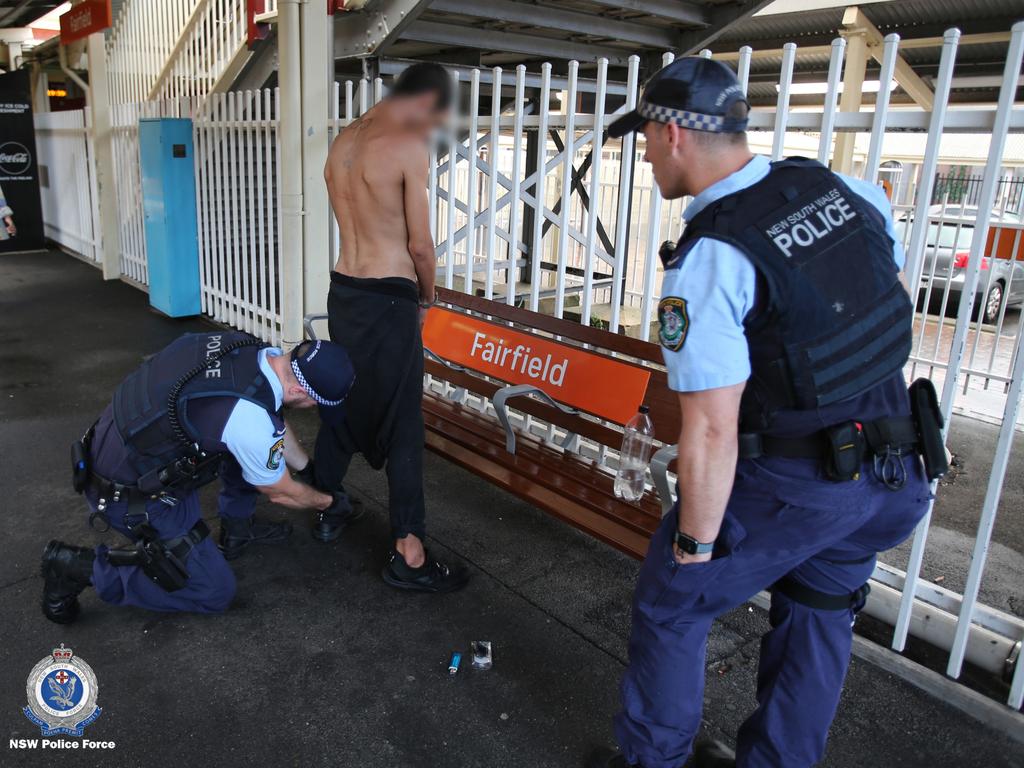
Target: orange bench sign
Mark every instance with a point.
(600, 385)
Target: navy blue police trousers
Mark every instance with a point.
(211, 583)
(782, 518)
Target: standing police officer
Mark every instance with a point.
(785, 329)
(208, 404)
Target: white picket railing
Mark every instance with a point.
(513, 224)
(169, 49)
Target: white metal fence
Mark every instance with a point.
(68, 184)
(237, 175)
(575, 233)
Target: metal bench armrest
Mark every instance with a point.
(659, 471)
(307, 323)
(501, 398)
(438, 359)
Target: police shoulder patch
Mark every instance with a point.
(276, 454)
(674, 322)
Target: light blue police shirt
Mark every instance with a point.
(717, 283)
(251, 435)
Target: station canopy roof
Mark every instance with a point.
(510, 32)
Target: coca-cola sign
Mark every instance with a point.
(15, 159)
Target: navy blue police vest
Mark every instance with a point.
(832, 320)
(140, 403)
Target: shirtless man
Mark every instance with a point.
(381, 289)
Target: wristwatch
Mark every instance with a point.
(691, 546)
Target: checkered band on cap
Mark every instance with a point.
(681, 117)
(309, 390)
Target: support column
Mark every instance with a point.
(102, 132)
(317, 68)
(850, 101)
(289, 148)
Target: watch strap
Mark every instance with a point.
(691, 546)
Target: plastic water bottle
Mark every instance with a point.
(634, 456)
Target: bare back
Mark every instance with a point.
(367, 172)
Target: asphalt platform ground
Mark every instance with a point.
(318, 662)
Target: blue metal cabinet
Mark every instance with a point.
(169, 203)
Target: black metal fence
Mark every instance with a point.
(964, 189)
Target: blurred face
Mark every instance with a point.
(666, 151)
(422, 115)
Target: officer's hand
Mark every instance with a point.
(686, 559)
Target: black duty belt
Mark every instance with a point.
(842, 448)
(111, 492)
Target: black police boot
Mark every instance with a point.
(711, 754)
(329, 523)
(432, 576)
(238, 533)
(608, 758)
(67, 570)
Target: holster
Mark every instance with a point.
(928, 421)
(162, 561)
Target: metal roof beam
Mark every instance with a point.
(359, 33)
(494, 40)
(905, 45)
(856, 23)
(720, 18)
(572, 22)
(690, 13)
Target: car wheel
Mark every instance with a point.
(993, 303)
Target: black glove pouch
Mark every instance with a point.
(928, 421)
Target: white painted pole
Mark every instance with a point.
(919, 231)
(492, 188)
(828, 115)
(623, 213)
(651, 251)
(889, 52)
(567, 171)
(596, 150)
(743, 67)
(453, 164)
(471, 186)
(782, 104)
(517, 171)
(289, 162)
(540, 188)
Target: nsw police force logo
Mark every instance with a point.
(62, 693)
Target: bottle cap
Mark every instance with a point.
(643, 409)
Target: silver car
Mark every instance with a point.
(946, 251)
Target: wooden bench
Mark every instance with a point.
(586, 402)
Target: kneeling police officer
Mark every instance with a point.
(207, 405)
(785, 329)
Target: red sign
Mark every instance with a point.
(603, 386)
(84, 19)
